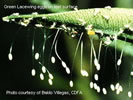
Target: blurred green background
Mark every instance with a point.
(15, 75)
